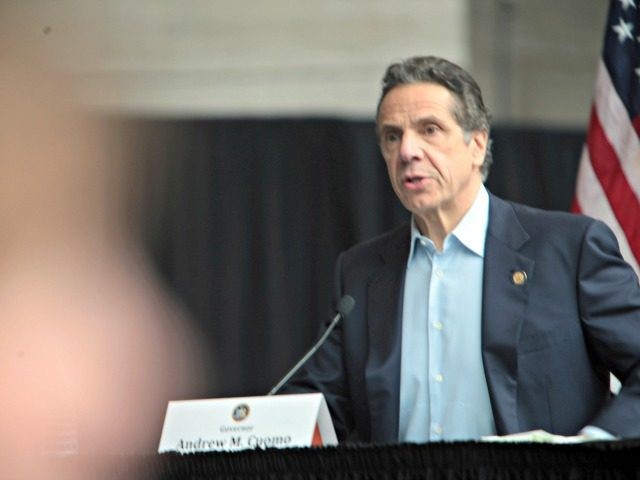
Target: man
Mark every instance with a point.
(481, 316)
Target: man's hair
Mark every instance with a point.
(468, 110)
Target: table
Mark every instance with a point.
(434, 461)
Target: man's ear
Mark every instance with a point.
(479, 141)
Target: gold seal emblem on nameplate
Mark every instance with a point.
(519, 277)
(240, 412)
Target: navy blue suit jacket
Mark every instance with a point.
(548, 345)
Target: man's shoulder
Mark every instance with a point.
(538, 220)
(392, 242)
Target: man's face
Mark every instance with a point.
(433, 167)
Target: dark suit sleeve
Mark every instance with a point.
(609, 299)
(325, 372)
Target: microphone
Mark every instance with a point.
(345, 305)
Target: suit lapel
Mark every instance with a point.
(382, 373)
(503, 308)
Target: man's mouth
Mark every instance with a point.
(414, 181)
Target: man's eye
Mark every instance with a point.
(391, 137)
(431, 129)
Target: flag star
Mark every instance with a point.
(623, 29)
(628, 3)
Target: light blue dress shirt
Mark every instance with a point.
(443, 390)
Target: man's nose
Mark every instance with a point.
(411, 147)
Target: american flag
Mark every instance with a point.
(608, 181)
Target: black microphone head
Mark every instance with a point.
(345, 305)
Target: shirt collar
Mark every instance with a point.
(471, 231)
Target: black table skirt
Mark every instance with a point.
(435, 461)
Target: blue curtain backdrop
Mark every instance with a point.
(245, 217)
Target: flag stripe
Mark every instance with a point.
(608, 181)
(620, 197)
(636, 124)
(589, 193)
(619, 130)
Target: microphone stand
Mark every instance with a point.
(344, 308)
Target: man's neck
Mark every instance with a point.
(440, 222)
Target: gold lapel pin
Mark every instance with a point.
(519, 277)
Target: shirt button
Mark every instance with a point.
(439, 378)
(437, 429)
(439, 273)
(423, 243)
(437, 325)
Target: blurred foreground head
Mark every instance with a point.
(91, 348)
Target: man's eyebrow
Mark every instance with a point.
(387, 128)
(428, 119)
(392, 126)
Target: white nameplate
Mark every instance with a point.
(228, 424)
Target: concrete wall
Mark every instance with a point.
(535, 59)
